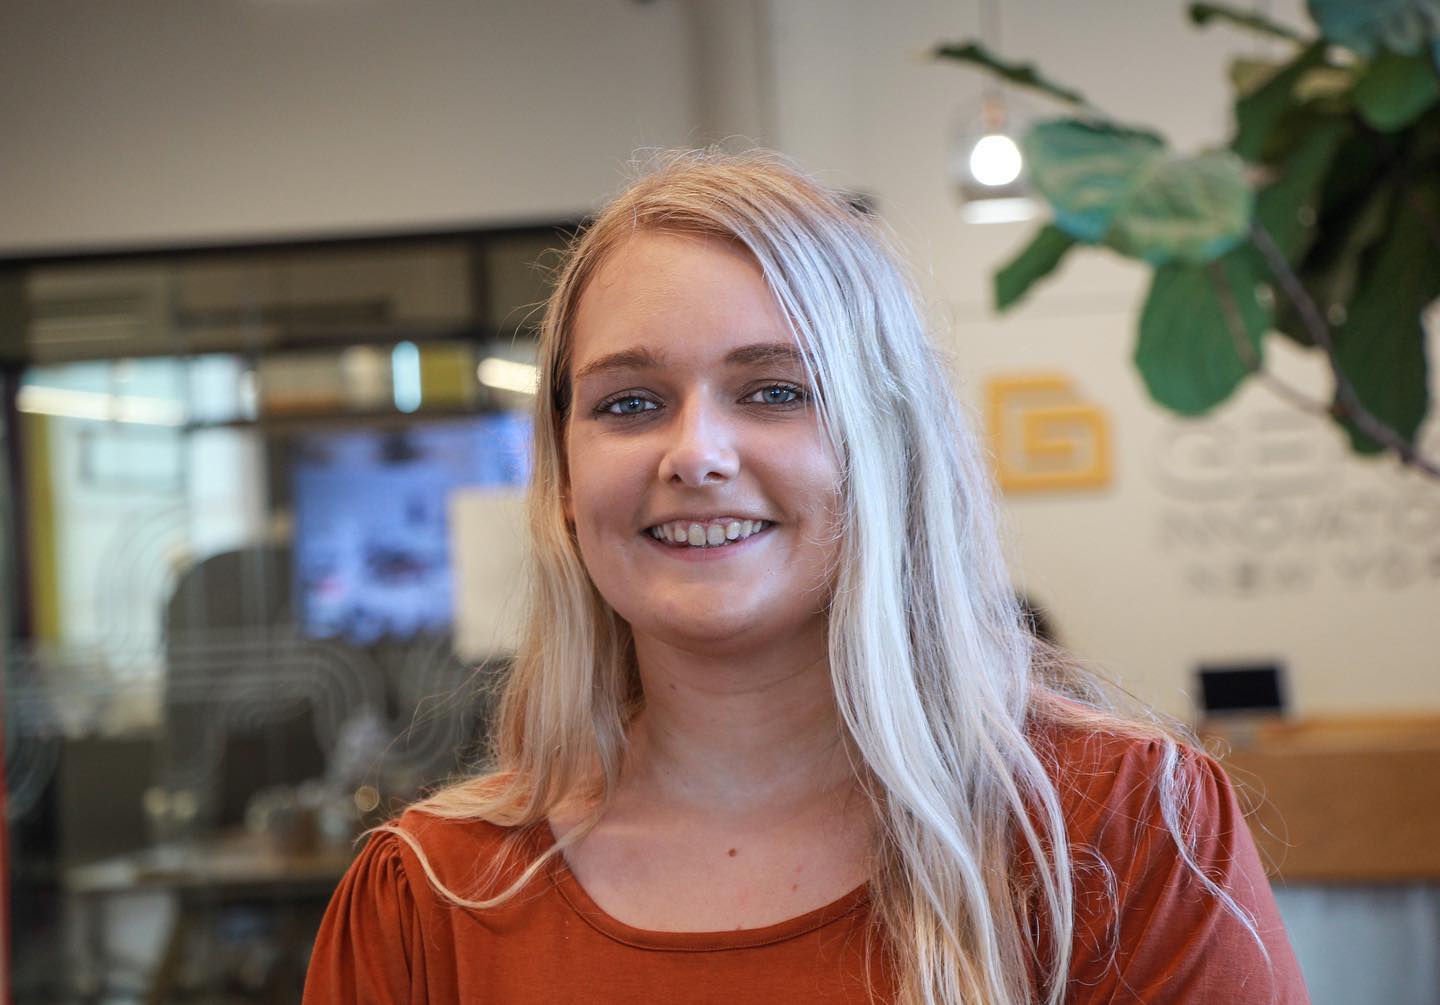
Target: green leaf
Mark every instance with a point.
(1362, 26)
(1355, 211)
(1381, 346)
(1115, 185)
(1248, 74)
(1087, 171)
(1203, 13)
(1190, 209)
(1023, 74)
(1286, 206)
(1396, 90)
(1036, 261)
(1257, 114)
(1187, 353)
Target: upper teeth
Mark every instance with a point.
(710, 534)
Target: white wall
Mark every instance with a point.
(165, 121)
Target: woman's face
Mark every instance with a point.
(703, 492)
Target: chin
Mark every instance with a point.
(711, 633)
(735, 633)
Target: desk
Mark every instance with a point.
(229, 866)
(1343, 800)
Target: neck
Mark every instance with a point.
(732, 734)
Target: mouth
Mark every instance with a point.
(707, 533)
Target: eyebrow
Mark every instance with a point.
(640, 359)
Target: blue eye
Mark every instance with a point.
(628, 404)
(778, 394)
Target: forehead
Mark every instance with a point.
(676, 294)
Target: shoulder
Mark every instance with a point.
(446, 837)
(463, 854)
(407, 861)
(381, 938)
(1159, 843)
(1139, 805)
(1112, 770)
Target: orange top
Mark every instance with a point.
(388, 937)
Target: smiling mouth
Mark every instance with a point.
(710, 534)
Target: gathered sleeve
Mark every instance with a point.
(1147, 928)
(369, 948)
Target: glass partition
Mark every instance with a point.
(230, 585)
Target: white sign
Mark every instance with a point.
(489, 542)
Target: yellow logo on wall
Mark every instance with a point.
(1043, 436)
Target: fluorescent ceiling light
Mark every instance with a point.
(1009, 210)
(70, 403)
(508, 375)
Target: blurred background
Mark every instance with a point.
(269, 278)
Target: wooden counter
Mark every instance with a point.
(1340, 800)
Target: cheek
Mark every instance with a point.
(600, 487)
(817, 481)
(812, 496)
(828, 515)
(578, 491)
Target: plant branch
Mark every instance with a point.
(1426, 218)
(1203, 13)
(1347, 401)
(1236, 325)
(1022, 74)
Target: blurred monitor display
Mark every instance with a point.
(1242, 689)
(371, 541)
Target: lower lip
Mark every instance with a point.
(689, 553)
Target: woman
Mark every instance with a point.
(777, 731)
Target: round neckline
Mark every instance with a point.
(580, 901)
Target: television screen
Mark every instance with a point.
(1242, 688)
(371, 541)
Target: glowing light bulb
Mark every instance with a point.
(995, 160)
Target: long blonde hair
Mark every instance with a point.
(937, 677)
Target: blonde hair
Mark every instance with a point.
(938, 680)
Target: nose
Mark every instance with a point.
(700, 450)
